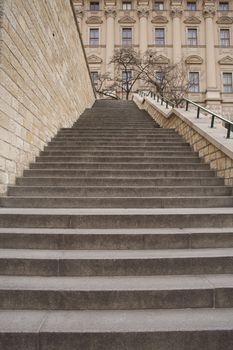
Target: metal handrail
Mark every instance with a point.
(229, 124)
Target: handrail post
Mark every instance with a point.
(154, 96)
(162, 101)
(198, 113)
(166, 104)
(229, 131)
(157, 98)
(212, 121)
(187, 105)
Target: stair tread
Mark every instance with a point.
(116, 283)
(115, 254)
(115, 321)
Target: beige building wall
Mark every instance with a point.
(208, 57)
(44, 80)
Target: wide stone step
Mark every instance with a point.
(90, 147)
(50, 201)
(111, 166)
(119, 153)
(202, 329)
(31, 262)
(117, 138)
(98, 181)
(118, 143)
(119, 159)
(107, 191)
(116, 218)
(112, 293)
(118, 173)
(38, 238)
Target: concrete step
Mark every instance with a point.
(117, 138)
(31, 262)
(116, 218)
(117, 143)
(68, 239)
(119, 173)
(112, 293)
(90, 147)
(124, 166)
(50, 201)
(118, 153)
(202, 329)
(98, 181)
(127, 191)
(118, 159)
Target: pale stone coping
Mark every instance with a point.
(216, 135)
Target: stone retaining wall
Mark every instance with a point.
(44, 79)
(219, 156)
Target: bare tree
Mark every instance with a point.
(104, 87)
(126, 61)
(170, 80)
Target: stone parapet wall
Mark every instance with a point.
(44, 79)
(211, 144)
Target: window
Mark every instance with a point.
(223, 5)
(159, 5)
(227, 82)
(194, 85)
(94, 37)
(94, 77)
(126, 36)
(94, 6)
(159, 36)
(192, 37)
(191, 6)
(127, 78)
(127, 5)
(224, 37)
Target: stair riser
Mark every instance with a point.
(175, 340)
(105, 148)
(116, 143)
(119, 192)
(116, 267)
(122, 173)
(118, 182)
(115, 202)
(124, 166)
(68, 241)
(111, 159)
(70, 154)
(116, 221)
(113, 300)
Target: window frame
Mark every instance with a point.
(160, 38)
(94, 3)
(125, 39)
(126, 3)
(94, 38)
(227, 85)
(195, 87)
(222, 3)
(191, 39)
(158, 3)
(191, 3)
(224, 39)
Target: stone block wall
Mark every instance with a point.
(44, 79)
(219, 160)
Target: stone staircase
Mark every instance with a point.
(117, 237)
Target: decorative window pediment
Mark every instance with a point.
(159, 19)
(94, 20)
(192, 20)
(126, 19)
(226, 60)
(162, 60)
(224, 20)
(194, 59)
(94, 59)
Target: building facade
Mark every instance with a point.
(199, 32)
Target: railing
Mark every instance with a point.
(162, 100)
